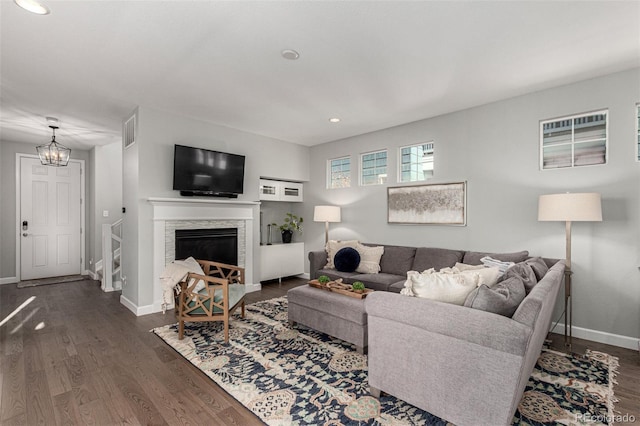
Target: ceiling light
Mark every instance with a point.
(290, 54)
(334, 120)
(33, 6)
(53, 154)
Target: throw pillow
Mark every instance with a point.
(525, 272)
(539, 267)
(347, 259)
(332, 248)
(488, 275)
(193, 266)
(503, 298)
(448, 288)
(369, 259)
(495, 263)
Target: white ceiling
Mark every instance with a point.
(373, 64)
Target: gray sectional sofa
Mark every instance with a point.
(467, 366)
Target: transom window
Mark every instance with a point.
(374, 168)
(416, 162)
(573, 141)
(339, 173)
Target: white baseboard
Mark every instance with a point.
(137, 310)
(601, 337)
(9, 280)
(92, 274)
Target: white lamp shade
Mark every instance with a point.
(581, 207)
(326, 214)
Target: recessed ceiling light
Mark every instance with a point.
(290, 54)
(334, 120)
(33, 6)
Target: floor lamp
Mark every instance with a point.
(326, 214)
(568, 208)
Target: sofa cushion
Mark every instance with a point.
(538, 265)
(334, 274)
(443, 287)
(346, 259)
(488, 276)
(503, 298)
(332, 248)
(380, 281)
(397, 286)
(397, 260)
(369, 259)
(473, 257)
(523, 271)
(437, 258)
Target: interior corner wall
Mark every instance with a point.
(107, 194)
(8, 220)
(148, 172)
(495, 148)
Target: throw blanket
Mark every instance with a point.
(173, 273)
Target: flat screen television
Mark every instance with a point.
(198, 171)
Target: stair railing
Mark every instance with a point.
(111, 249)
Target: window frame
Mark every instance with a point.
(361, 171)
(433, 149)
(330, 172)
(604, 111)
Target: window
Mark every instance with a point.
(638, 131)
(579, 140)
(416, 162)
(339, 173)
(374, 168)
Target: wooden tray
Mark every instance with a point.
(340, 288)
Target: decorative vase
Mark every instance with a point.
(286, 236)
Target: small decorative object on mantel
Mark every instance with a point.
(291, 223)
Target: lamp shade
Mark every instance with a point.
(326, 214)
(580, 207)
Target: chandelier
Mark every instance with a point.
(53, 154)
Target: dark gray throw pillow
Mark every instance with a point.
(503, 298)
(539, 267)
(523, 271)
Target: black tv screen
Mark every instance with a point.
(198, 171)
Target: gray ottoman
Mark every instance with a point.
(337, 315)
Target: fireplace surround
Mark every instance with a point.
(171, 214)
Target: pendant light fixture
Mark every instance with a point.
(53, 154)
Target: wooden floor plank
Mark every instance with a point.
(13, 398)
(39, 402)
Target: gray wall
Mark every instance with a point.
(106, 194)
(8, 151)
(495, 149)
(151, 158)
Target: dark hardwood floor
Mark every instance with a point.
(74, 355)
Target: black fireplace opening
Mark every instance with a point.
(217, 245)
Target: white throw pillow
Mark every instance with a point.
(443, 287)
(369, 259)
(488, 276)
(334, 246)
(491, 262)
(194, 267)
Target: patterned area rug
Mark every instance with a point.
(300, 376)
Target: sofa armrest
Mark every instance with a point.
(317, 260)
(467, 324)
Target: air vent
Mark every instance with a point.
(129, 132)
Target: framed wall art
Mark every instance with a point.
(432, 204)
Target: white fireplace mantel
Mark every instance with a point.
(167, 212)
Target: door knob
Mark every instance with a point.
(24, 234)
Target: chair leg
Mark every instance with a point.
(226, 330)
(243, 309)
(180, 330)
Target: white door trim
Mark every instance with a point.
(83, 208)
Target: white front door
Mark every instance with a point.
(50, 220)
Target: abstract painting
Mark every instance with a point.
(433, 204)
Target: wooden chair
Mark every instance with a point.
(223, 292)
